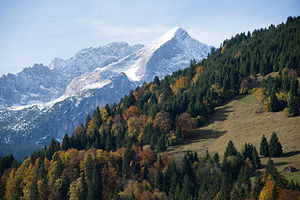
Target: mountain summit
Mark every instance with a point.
(93, 77)
(170, 52)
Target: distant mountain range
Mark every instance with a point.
(45, 102)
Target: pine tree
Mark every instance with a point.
(274, 103)
(293, 106)
(146, 172)
(156, 81)
(152, 142)
(147, 133)
(264, 147)
(159, 180)
(161, 144)
(95, 187)
(271, 169)
(84, 189)
(255, 159)
(275, 147)
(89, 166)
(178, 134)
(230, 150)
(216, 158)
(224, 191)
(33, 190)
(87, 120)
(258, 185)
(125, 164)
(65, 143)
(177, 193)
(187, 186)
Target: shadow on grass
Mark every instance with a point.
(277, 164)
(289, 154)
(204, 134)
(220, 114)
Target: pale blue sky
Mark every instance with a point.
(36, 31)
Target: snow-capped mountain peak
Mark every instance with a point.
(51, 100)
(176, 31)
(175, 46)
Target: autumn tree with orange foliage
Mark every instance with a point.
(132, 111)
(181, 82)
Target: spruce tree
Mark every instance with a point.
(258, 185)
(87, 120)
(187, 186)
(146, 172)
(95, 187)
(264, 147)
(65, 143)
(230, 150)
(275, 147)
(89, 166)
(34, 190)
(159, 180)
(255, 159)
(84, 189)
(274, 103)
(161, 144)
(293, 107)
(224, 191)
(125, 164)
(152, 142)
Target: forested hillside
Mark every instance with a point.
(118, 152)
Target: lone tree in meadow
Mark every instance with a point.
(264, 147)
(275, 148)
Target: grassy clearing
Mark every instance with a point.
(239, 121)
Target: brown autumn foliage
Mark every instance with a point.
(78, 130)
(132, 111)
(186, 123)
(162, 122)
(285, 194)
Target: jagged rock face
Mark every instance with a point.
(40, 84)
(66, 91)
(32, 85)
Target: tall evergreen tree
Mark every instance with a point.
(95, 187)
(230, 149)
(87, 120)
(156, 81)
(258, 185)
(125, 164)
(225, 190)
(293, 106)
(159, 180)
(65, 143)
(275, 147)
(34, 190)
(89, 166)
(255, 159)
(84, 189)
(274, 103)
(161, 144)
(188, 188)
(264, 147)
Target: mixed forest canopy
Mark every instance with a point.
(118, 152)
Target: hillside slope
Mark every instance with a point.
(238, 121)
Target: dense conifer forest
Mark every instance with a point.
(121, 150)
